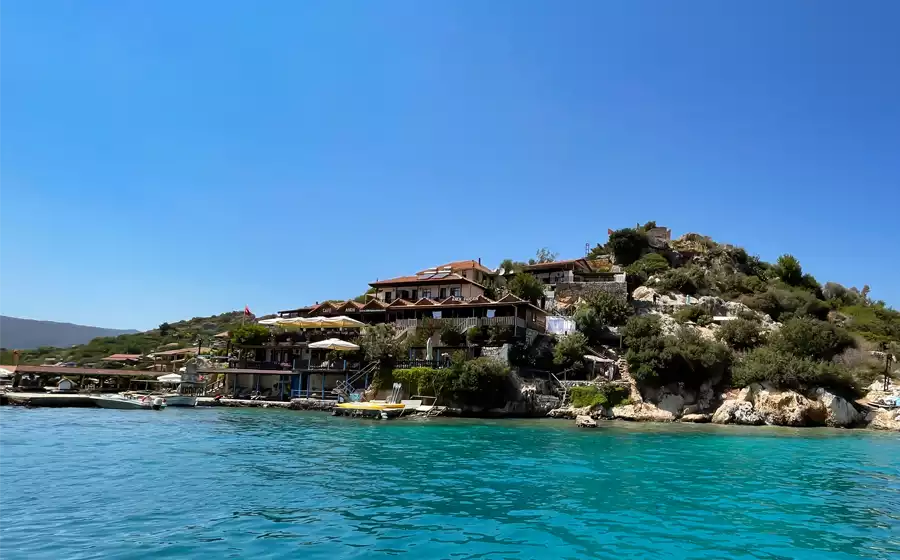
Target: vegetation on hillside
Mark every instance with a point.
(821, 324)
(481, 382)
(175, 335)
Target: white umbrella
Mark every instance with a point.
(272, 321)
(169, 378)
(342, 321)
(334, 344)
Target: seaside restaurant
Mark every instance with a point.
(305, 358)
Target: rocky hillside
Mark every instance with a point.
(28, 333)
(712, 333)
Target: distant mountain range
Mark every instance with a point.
(21, 334)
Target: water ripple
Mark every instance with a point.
(278, 484)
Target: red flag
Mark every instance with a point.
(609, 231)
(247, 311)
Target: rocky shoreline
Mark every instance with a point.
(755, 405)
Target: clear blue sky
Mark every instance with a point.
(163, 160)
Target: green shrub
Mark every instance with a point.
(500, 334)
(789, 270)
(648, 265)
(589, 323)
(876, 323)
(689, 280)
(627, 245)
(570, 350)
(527, 287)
(607, 395)
(811, 338)
(639, 328)
(783, 303)
(693, 313)
(451, 336)
(481, 382)
(741, 334)
(610, 309)
(428, 381)
(768, 365)
(686, 357)
(477, 336)
(379, 342)
(692, 359)
(841, 296)
(250, 335)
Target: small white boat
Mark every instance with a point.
(177, 399)
(120, 402)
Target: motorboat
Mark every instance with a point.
(122, 402)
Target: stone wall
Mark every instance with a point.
(583, 289)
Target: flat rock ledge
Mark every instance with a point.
(697, 418)
(583, 421)
(884, 420)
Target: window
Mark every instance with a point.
(426, 294)
(443, 293)
(454, 292)
(436, 314)
(387, 297)
(414, 292)
(491, 313)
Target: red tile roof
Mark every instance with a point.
(79, 371)
(462, 265)
(121, 357)
(406, 280)
(570, 263)
(191, 350)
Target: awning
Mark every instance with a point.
(334, 344)
(170, 378)
(341, 321)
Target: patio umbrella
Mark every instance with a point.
(334, 344)
(272, 321)
(342, 321)
(169, 378)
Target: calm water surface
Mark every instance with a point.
(82, 483)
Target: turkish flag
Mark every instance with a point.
(609, 231)
(247, 311)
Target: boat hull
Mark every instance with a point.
(180, 400)
(126, 404)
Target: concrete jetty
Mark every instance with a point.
(294, 404)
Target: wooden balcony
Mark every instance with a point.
(465, 323)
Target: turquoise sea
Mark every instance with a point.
(239, 483)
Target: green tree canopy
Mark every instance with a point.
(811, 338)
(379, 342)
(741, 334)
(527, 287)
(789, 270)
(250, 334)
(570, 350)
(627, 245)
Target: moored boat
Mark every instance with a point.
(120, 402)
